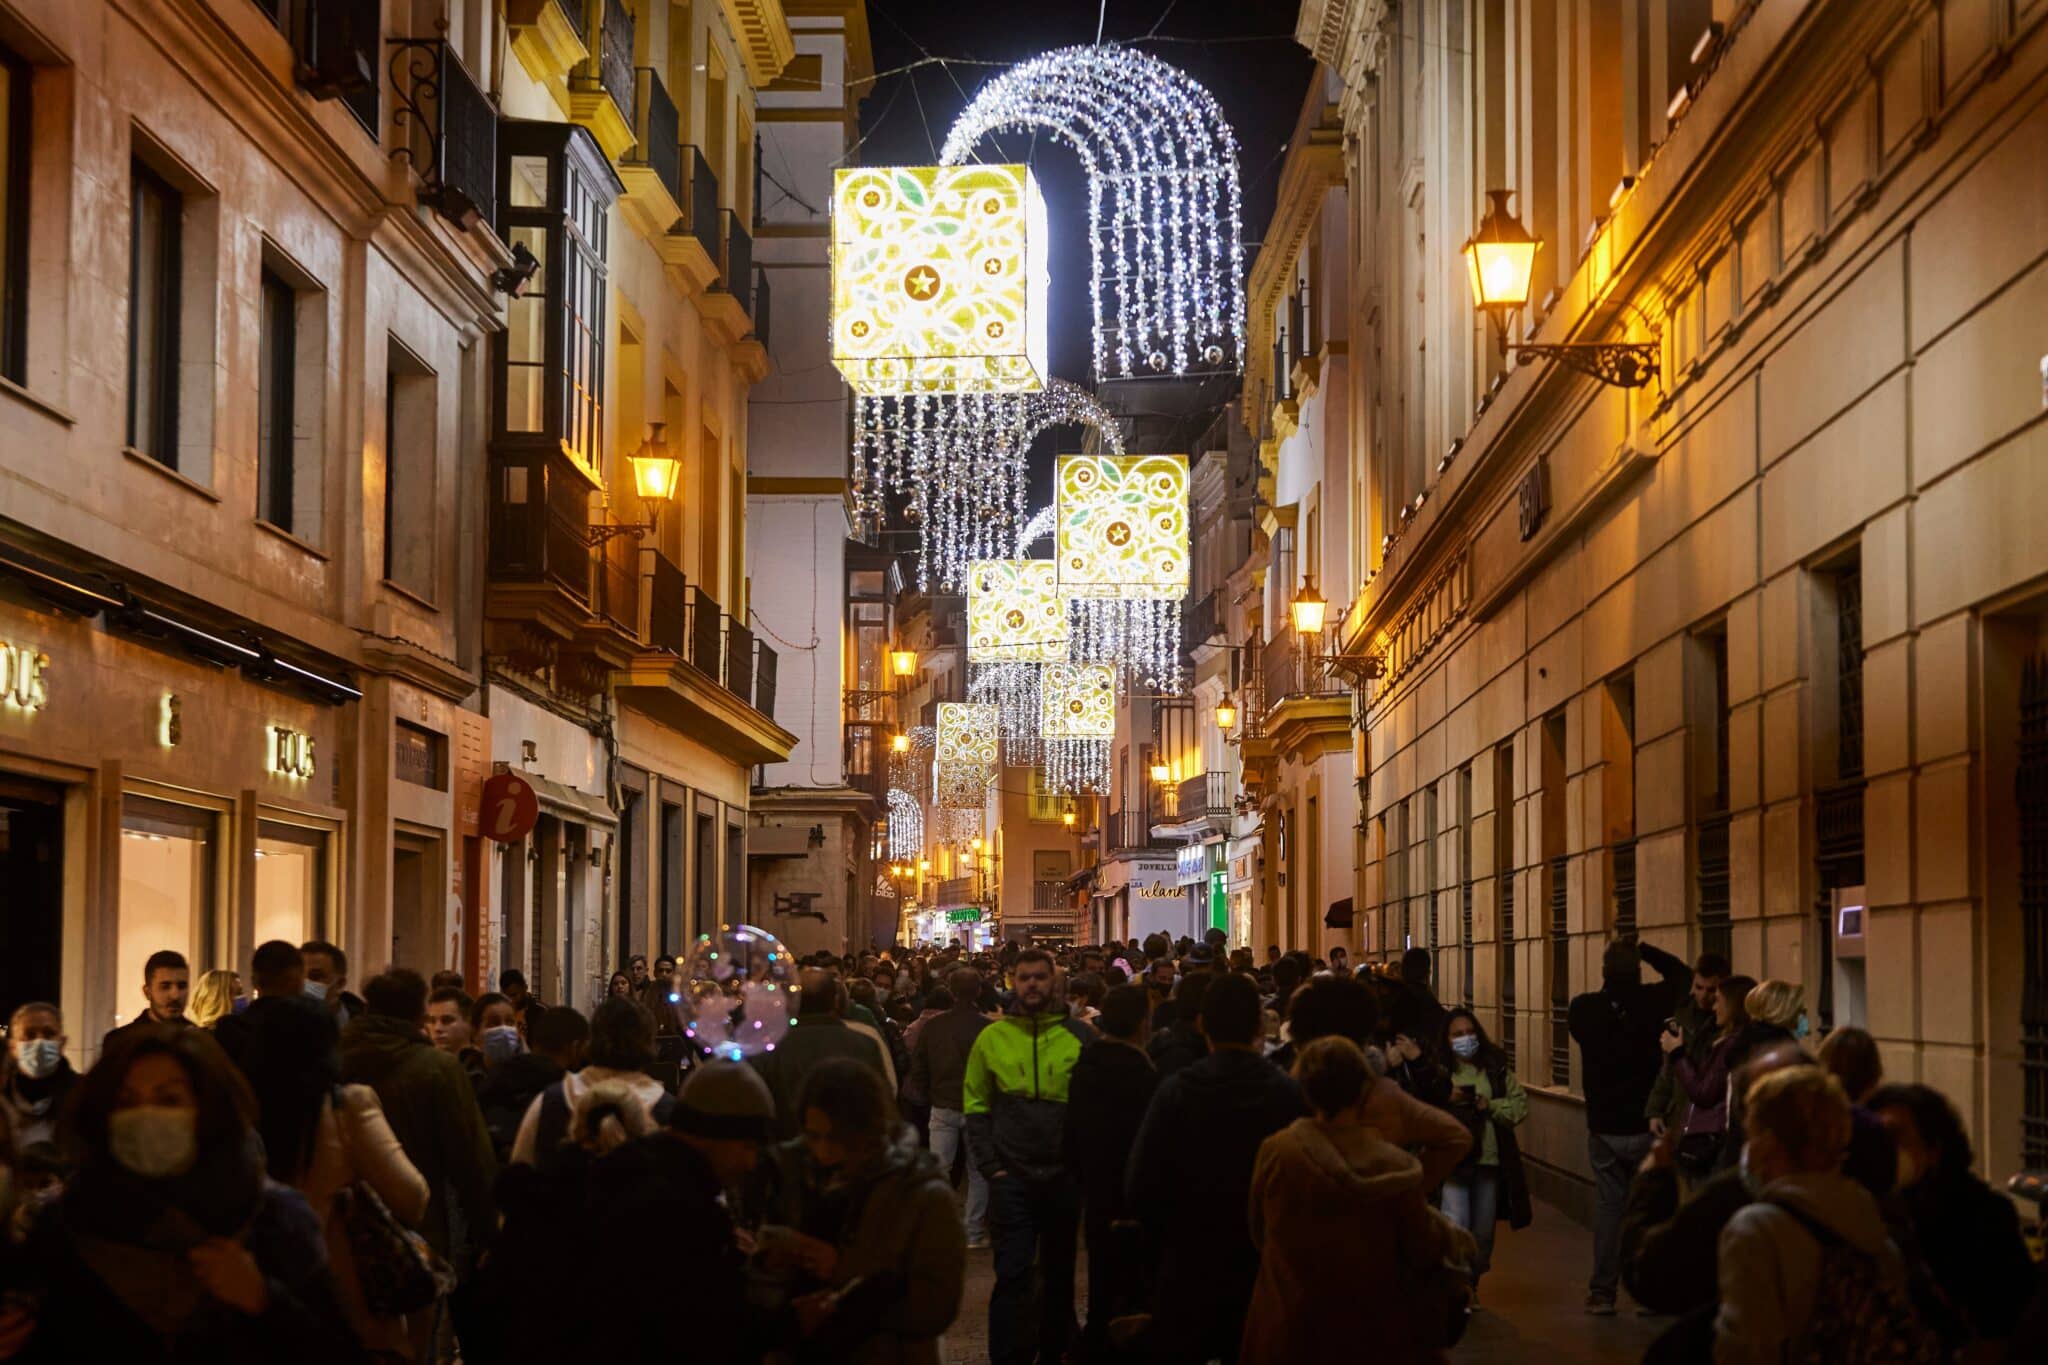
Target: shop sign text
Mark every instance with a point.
(291, 752)
(24, 677)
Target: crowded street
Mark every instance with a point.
(1099, 682)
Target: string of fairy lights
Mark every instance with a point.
(939, 290)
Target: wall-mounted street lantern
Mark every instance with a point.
(1308, 609)
(900, 742)
(903, 663)
(1500, 259)
(655, 474)
(1226, 713)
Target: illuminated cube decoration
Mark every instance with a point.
(1014, 612)
(1079, 702)
(939, 279)
(967, 733)
(961, 786)
(1122, 526)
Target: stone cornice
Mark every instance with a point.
(761, 30)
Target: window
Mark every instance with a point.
(155, 264)
(411, 425)
(1045, 803)
(555, 191)
(274, 401)
(291, 882)
(14, 159)
(168, 874)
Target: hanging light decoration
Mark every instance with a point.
(1121, 547)
(957, 462)
(1014, 612)
(939, 279)
(969, 735)
(1014, 690)
(1166, 250)
(906, 824)
(1077, 721)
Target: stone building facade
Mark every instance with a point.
(1750, 657)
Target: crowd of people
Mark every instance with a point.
(1262, 1159)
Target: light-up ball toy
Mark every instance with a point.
(734, 993)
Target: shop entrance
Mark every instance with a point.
(32, 870)
(418, 904)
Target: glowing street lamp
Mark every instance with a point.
(1226, 713)
(1308, 609)
(900, 743)
(1161, 773)
(903, 662)
(1500, 259)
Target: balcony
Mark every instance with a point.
(338, 55)
(760, 311)
(601, 90)
(702, 673)
(554, 604)
(1205, 796)
(653, 171)
(548, 36)
(727, 307)
(1130, 831)
(1203, 623)
(1051, 897)
(448, 130)
(692, 246)
(1303, 704)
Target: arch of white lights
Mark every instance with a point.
(1167, 249)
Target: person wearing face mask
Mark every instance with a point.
(517, 1070)
(36, 1077)
(1967, 1234)
(1488, 1099)
(327, 981)
(170, 1243)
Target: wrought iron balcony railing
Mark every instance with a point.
(700, 206)
(657, 131)
(448, 130)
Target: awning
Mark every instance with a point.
(577, 805)
(1339, 916)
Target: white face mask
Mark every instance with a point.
(154, 1142)
(317, 989)
(1466, 1045)
(39, 1057)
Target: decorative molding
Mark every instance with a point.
(761, 30)
(1438, 607)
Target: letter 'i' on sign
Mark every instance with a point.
(509, 808)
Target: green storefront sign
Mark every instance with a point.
(1219, 903)
(966, 915)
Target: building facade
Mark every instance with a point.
(1744, 658)
(323, 369)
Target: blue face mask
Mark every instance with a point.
(502, 1043)
(1466, 1045)
(39, 1057)
(1802, 1028)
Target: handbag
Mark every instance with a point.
(1697, 1153)
(395, 1268)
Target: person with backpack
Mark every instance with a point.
(1807, 1272)
(1488, 1099)
(621, 1049)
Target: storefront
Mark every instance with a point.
(178, 790)
(1144, 898)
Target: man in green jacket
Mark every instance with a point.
(432, 1108)
(1015, 1093)
(1695, 1019)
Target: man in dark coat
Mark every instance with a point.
(1182, 1043)
(938, 1066)
(1111, 1088)
(431, 1105)
(1616, 1028)
(818, 1031)
(1190, 1173)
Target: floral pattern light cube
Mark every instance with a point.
(1122, 526)
(961, 786)
(1078, 701)
(967, 733)
(1015, 613)
(939, 279)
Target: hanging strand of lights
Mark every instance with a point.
(958, 462)
(1167, 252)
(1014, 690)
(1141, 637)
(906, 824)
(1074, 766)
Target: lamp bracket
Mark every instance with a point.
(1624, 364)
(605, 532)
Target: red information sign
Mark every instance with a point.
(509, 808)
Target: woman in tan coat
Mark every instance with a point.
(321, 1137)
(1345, 1236)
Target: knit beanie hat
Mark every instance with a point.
(723, 1099)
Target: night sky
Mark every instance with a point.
(1242, 50)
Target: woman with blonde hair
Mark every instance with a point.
(213, 999)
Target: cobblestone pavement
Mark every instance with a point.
(1532, 1305)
